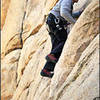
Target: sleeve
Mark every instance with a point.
(76, 14)
(65, 11)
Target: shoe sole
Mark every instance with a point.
(44, 75)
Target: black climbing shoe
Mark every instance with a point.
(51, 58)
(46, 73)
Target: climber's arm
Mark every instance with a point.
(76, 14)
(65, 11)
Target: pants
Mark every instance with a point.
(58, 41)
(58, 38)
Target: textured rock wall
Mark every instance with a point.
(9, 74)
(4, 9)
(23, 19)
(25, 44)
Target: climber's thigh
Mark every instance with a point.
(61, 35)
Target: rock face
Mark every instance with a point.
(9, 74)
(25, 43)
(4, 10)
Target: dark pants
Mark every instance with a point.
(58, 38)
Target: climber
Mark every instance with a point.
(59, 17)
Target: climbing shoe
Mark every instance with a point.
(46, 73)
(51, 58)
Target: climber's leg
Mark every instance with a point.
(58, 38)
(58, 41)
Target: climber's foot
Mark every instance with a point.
(51, 58)
(46, 73)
